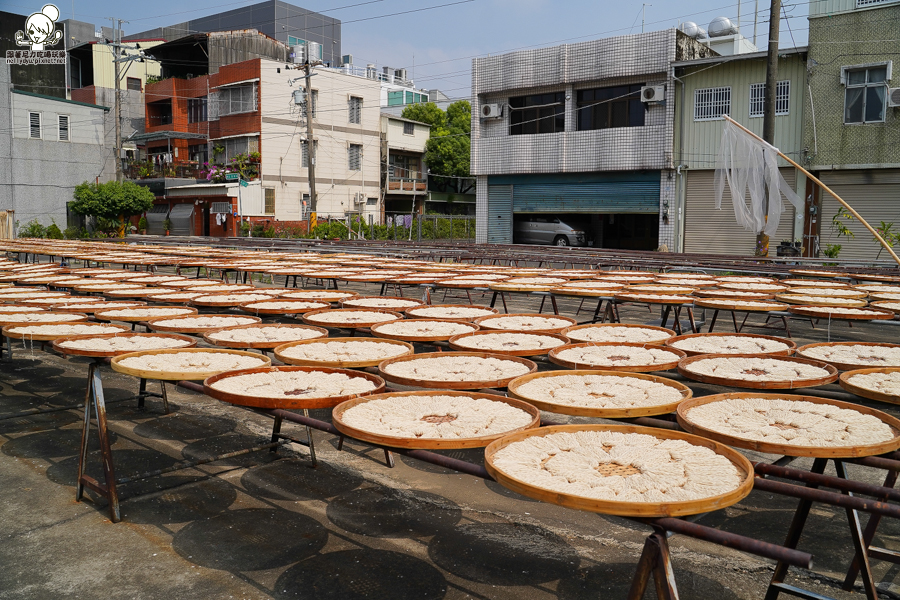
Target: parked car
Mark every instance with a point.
(540, 229)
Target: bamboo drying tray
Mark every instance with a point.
(411, 311)
(105, 316)
(353, 302)
(486, 322)
(847, 292)
(375, 329)
(318, 295)
(891, 305)
(872, 314)
(455, 342)
(502, 286)
(101, 329)
(655, 299)
(178, 375)
(189, 342)
(430, 443)
(554, 358)
(131, 293)
(787, 449)
(664, 333)
(817, 273)
(820, 301)
(198, 301)
(792, 346)
(16, 297)
(729, 304)
(624, 509)
(602, 413)
(846, 366)
(759, 385)
(60, 317)
(310, 317)
(288, 403)
(322, 333)
(453, 385)
(844, 382)
(347, 364)
(91, 307)
(258, 307)
(726, 295)
(152, 323)
(188, 296)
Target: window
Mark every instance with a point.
(198, 153)
(237, 99)
(34, 125)
(197, 110)
(410, 98)
(865, 3)
(540, 113)
(603, 108)
(355, 157)
(355, 110)
(711, 103)
(239, 145)
(782, 98)
(315, 105)
(865, 93)
(64, 128)
(403, 166)
(371, 201)
(133, 83)
(304, 153)
(269, 208)
(409, 128)
(395, 98)
(304, 207)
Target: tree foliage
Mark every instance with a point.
(447, 151)
(112, 200)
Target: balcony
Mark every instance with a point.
(150, 170)
(406, 185)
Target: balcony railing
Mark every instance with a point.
(407, 184)
(146, 171)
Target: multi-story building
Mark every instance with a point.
(706, 89)
(852, 113)
(403, 173)
(580, 129)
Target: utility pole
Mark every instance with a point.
(310, 140)
(762, 240)
(117, 43)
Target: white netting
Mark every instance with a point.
(751, 164)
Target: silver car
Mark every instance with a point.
(538, 229)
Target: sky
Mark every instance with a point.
(437, 42)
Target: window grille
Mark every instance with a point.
(269, 208)
(355, 110)
(355, 156)
(782, 98)
(304, 153)
(409, 128)
(864, 3)
(34, 125)
(315, 105)
(133, 83)
(711, 103)
(64, 128)
(197, 110)
(218, 208)
(237, 99)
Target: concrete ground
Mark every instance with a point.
(266, 525)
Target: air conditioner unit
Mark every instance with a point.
(893, 97)
(491, 111)
(653, 93)
(347, 59)
(359, 198)
(400, 74)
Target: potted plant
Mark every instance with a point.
(142, 225)
(217, 150)
(255, 157)
(167, 225)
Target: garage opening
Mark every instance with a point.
(625, 231)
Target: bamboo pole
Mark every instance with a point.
(826, 188)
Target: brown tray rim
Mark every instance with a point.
(395, 309)
(881, 314)
(408, 313)
(49, 338)
(453, 341)
(98, 354)
(453, 385)
(309, 317)
(843, 366)
(792, 345)
(260, 345)
(176, 375)
(844, 382)
(554, 358)
(356, 364)
(731, 306)
(423, 338)
(566, 331)
(759, 385)
(82, 319)
(100, 314)
(280, 311)
(479, 322)
(166, 329)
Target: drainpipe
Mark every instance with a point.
(680, 187)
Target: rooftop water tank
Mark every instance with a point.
(721, 26)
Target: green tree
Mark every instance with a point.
(112, 200)
(426, 113)
(447, 151)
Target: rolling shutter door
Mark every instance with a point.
(875, 203)
(155, 219)
(182, 219)
(711, 231)
(499, 225)
(638, 196)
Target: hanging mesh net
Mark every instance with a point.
(751, 165)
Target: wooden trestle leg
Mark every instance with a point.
(655, 562)
(94, 398)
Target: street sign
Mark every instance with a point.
(232, 176)
(244, 183)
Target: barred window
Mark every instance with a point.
(782, 98)
(711, 103)
(355, 110)
(304, 153)
(237, 99)
(239, 145)
(269, 208)
(409, 128)
(864, 3)
(34, 125)
(64, 128)
(355, 151)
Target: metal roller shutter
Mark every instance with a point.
(711, 231)
(875, 203)
(589, 193)
(499, 225)
(156, 216)
(182, 217)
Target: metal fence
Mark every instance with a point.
(398, 226)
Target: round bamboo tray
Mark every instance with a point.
(465, 284)
(729, 304)
(765, 288)
(820, 301)
(356, 302)
(346, 364)
(318, 295)
(502, 286)
(16, 297)
(664, 333)
(847, 366)
(129, 293)
(105, 315)
(624, 509)
(733, 294)
(792, 346)
(833, 312)
(627, 279)
(486, 322)
(6, 309)
(759, 385)
(870, 277)
(554, 358)
(891, 305)
(288, 403)
(337, 416)
(602, 413)
(455, 343)
(260, 307)
(880, 296)
(844, 293)
(654, 299)
(656, 288)
(310, 318)
(787, 449)
(54, 301)
(153, 324)
(815, 283)
(322, 333)
(817, 273)
(844, 382)
(189, 342)
(207, 302)
(184, 297)
(178, 375)
(591, 292)
(101, 329)
(91, 307)
(411, 312)
(57, 317)
(453, 385)
(375, 329)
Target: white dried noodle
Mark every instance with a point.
(40, 317)
(830, 292)
(509, 341)
(621, 467)
(794, 422)
(294, 384)
(381, 303)
(856, 354)
(599, 391)
(192, 362)
(264, 333)
(313, 294)
(838, 310)
(456, 368)
(749, 304)
(449, 312)
(612, 333)
(885, 383)
(148, 313)
(326, 351)
(756, 369)
(804, 299)
(233, 298)
(436, 417)
(730, 344)
(423, 328)
(524, 323)
(64, 329)
(96, 306)
(20, 309)
(205, 322)
(295, 305)
(617, 356)
(353, 316)
(123, 344)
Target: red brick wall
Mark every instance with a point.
(85, 94)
